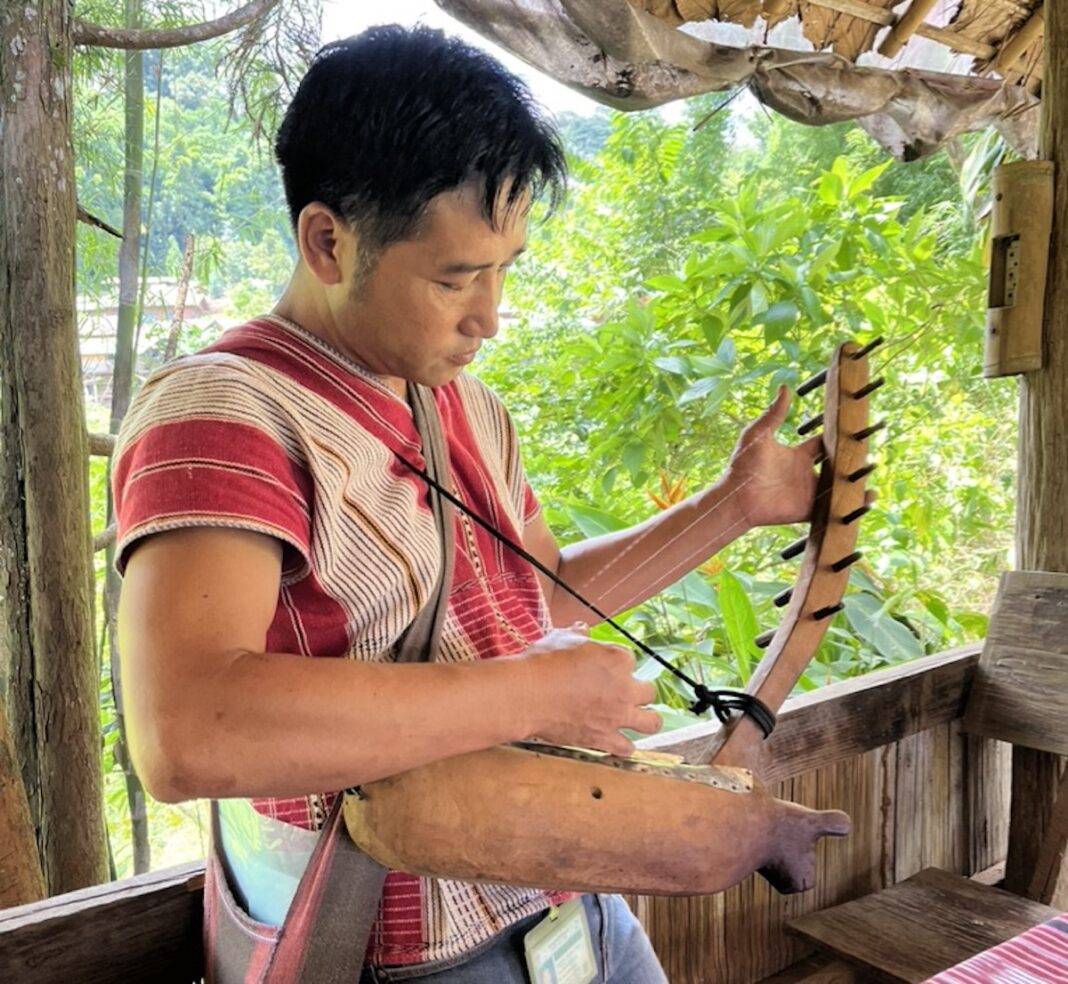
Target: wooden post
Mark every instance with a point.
(46, 609)
(1042, 486)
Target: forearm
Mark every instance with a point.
(269, 724)
(620, 570)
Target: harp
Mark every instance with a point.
(692, 818)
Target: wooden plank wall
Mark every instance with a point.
(933, 797)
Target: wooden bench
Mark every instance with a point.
(933, 920)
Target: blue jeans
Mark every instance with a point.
(623, 952)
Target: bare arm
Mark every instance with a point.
(766, 483)
(619, 570)
(211, 714)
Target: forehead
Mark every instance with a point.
(454, 222)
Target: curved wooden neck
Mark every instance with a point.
(823, 575)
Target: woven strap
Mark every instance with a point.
(325, 934)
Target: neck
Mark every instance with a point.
(304, 306)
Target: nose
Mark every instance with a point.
(481, 319)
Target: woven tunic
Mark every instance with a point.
(274, 430)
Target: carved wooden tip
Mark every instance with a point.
(847, 561)
(865, 390)
(783, 598)
(869, 348)
(810, 425)
(810, 384)
(795, 548)
(764, 639)
(820, 614)
(860, 473)
(860, 435)
(855, 514)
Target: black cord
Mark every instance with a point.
(721, 702)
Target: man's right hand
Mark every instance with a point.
(583, 691)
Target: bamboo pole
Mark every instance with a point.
(880, 15)
(1042, 486)
(908, 24)
(1015, 46)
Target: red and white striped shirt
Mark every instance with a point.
(272, 429)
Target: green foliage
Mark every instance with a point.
(658, 315)
(697, 266)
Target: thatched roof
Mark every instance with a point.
(912, 74)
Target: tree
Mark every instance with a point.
(46, 627)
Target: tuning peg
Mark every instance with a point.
(847, 561)
(827, 612)
(764, 639)
(782, 598)
(810, 425)
(869, 388)
(860, 435)
(853, 516)
(861, 472)
(795, 548)
(869, 348)
(810, 384)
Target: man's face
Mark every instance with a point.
(429, 303)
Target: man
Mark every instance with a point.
(265, 515)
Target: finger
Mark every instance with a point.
(619, 745)
(646, 722)
(580, 627)
(644, 692)
(772, 418)
(813, 447)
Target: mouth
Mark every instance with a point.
(463, 358)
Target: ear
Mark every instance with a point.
(325, 242)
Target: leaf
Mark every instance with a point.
(780, 313)
(667, 282)
(884, 633)
(709, 388)
(864, 181)
(739, 622)
(672, 363)
(594, 522)
(633, 458)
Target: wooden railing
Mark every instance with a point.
(886, 747)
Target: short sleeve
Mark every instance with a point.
(203, 445)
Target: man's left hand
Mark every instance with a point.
(775, 483)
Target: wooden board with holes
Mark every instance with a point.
(1020, 693)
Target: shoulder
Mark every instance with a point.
(482, 405)
(207, 386)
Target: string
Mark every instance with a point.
(721, 702)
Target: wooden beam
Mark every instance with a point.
(1051, 852)
(144, 929)
(851, 717)
(1015, 46)
(1042, 482)
(880, 15)
(101, 445)
(907, 25)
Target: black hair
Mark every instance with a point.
(385, 120)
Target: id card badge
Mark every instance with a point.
(559, 949)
